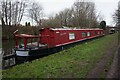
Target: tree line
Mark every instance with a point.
(81, 14)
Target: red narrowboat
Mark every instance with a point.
(51, 40)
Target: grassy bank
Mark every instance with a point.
(74, 62)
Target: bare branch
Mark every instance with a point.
(36, 12)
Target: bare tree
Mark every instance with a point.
(18, 9)
(12, 11)
(84, 13)
(116, 15)
(65, 17)
(35, 12)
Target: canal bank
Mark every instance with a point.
(75, 62)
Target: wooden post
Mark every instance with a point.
(25, 43)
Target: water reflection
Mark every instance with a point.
(7, 46)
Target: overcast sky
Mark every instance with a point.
(105, 7)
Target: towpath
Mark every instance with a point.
(100, 71)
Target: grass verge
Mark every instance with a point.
(73, 62)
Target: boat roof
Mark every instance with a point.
(75, 29)
(68, 28)
(26, 36)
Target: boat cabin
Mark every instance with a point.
(25, 38)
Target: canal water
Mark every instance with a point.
(7, 46)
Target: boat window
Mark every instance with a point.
(98, 32)
(95, 32)
(88, 34)
(71, 36)
(83, 34)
